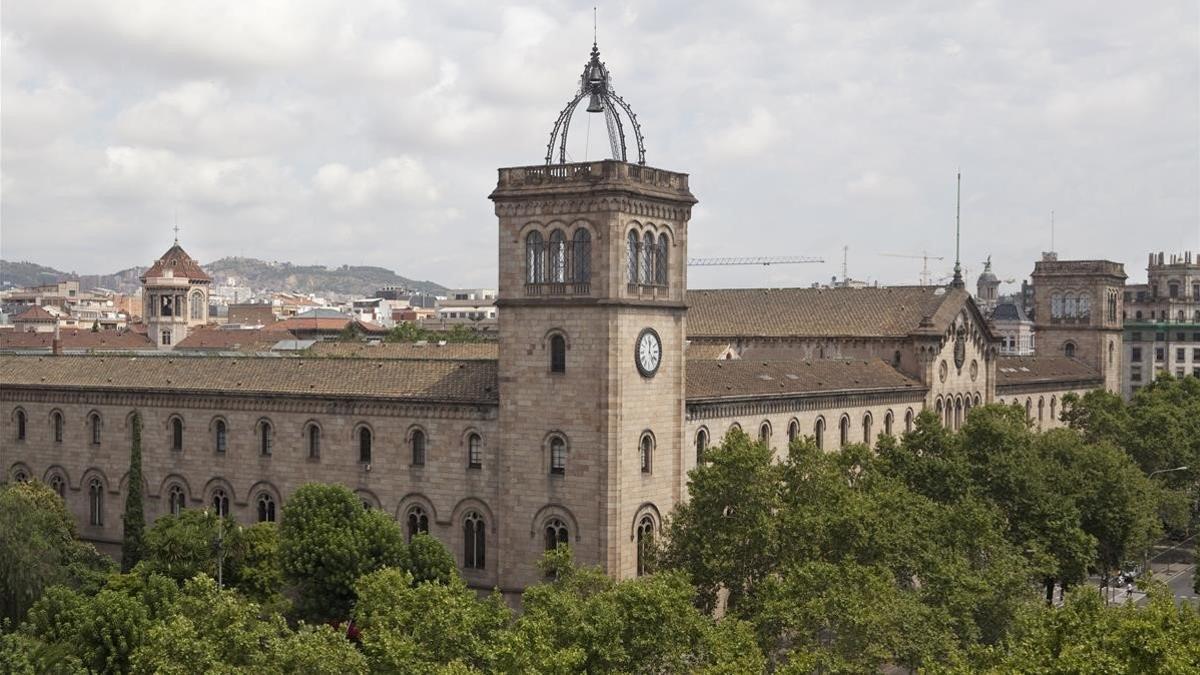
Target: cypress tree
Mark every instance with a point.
(135, 516)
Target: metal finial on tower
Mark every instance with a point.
(176, 228)
(595, 84)
(958, 278)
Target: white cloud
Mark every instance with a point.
(393, 180)
(747, 138)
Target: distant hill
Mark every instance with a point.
(259, 275)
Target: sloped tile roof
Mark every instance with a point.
(893, 311)
(248, 340)
(1018, 370)
(78, 340)
(752, 378)
(408, 350)
(180, 263)
(399, 379)
(35, 314)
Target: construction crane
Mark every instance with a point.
(754, 260)
(924, 258)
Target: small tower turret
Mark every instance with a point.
(174, 297)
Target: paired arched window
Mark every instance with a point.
(265, 437)
(764, 432)
(474, 541)
(558, 260)
(793, 430)
(819, 433)
(56, 422)
(701, 444)
(558, 455)
(418, 447)
(474, 451)
(645, 541)
(220, 502)
(558, 353)
(844, 436)
(176, 499)
(647, 271)
(1070, 306)
(649, 258)
(558, 257)
(556, 534)
(314, 441)
(646, 452)
(418, 522)
(21, 419)
(220, 436)
(364, 445)
(662, 253)
(176, 433)
(59, 485)
(197, 306)
(94, 426)
(867, 428)
(96, 502)
(266, 508)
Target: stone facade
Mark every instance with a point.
(1162, 321)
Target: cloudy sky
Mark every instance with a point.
(369, 132)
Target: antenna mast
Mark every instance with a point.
(845, 255)
(957, 282)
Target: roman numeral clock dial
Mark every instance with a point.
(647, 352)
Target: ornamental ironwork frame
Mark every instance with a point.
(596, 85)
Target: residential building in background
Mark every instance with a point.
(1162, 321)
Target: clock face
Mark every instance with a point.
(647, 352)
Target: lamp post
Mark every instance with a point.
(1146, 563)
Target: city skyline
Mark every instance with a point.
(370, 135)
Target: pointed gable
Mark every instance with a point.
(181, 265)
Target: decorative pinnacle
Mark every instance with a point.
(958, 278)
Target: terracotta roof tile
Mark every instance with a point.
(180, 263)
(893, 311)
(35, 314)
(408, 350)
(1018, 370)
(753, 378)
(398, 379)
(78, 340)
(248, 340)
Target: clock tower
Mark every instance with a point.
(592, 326)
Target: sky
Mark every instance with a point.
(369, 132)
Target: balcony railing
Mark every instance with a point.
(555, 288)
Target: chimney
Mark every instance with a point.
(56, 343)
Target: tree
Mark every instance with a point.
(327, 541)
(132, 546)
(428, 560)
(38, 548)
(182, 546)
(256, 569)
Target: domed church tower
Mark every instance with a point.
(174, 297)
(987, 289)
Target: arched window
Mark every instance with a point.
(220, 503)
(1056, 306)
(1173, 290)
(59, 485)
(1029, 409)
(1041, 411)
(21, 425)
(1053, 403)
(764, 432)
(94, 425)
(418, 447)
(558, 354)
(582, 256)
(845, 431)
(196, 305)
(314, 441)
(20, 476)
(645, 540)
(558, 257)
(908, 420)
(474, 541)
(1069, 349)
(364, 445)
(266, 508)
(176, 500)
(474, 452)
(221, 436)
(56, 420)
(888, 418)
(1111, 354)
(896, 359)
(701, 444)
(556, 534)
(866, 424)
(535, 272)
(176, 433)
(958, 409)
(819, 433)
(96, 502)
(633, 246)
(793, 430)
(1070, 306)
(940, 412)
(264, 438)
(660, 264)
(418, 522)
(558, 455)
(646, 452)
(647, 276)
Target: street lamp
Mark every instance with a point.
(1146, 558)
(1178, 468)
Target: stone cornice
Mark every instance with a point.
(256, 403)
(743, 407)
(1003, 390)
(644, 207)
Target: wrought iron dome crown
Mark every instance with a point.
(596, 85)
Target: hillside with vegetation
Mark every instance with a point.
(259, 275)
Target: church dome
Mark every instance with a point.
(987, 277)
